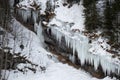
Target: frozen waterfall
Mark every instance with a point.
(79, 43)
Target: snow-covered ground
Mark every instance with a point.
(55, 71)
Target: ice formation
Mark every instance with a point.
(79, 43)
(27, 14)
(38, 30)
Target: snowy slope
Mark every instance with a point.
(55, 71)
(32, 44)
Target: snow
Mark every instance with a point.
(28, 8)
(100, 7)
(71, 15)
(31, 42)
(38, 29)
(34, 47)
(94, 53)
(27, 4)
(98, 48)
(54, 70)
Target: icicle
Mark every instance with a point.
(35, 16)
(38, 30)
(25, 14)
(96, 62)
(74, 45)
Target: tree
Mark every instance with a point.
(108, 20)
(92, 18)
(112, 21)
(116, 21)
(5, 17)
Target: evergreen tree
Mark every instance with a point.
(92, 19)
(112, 21)
(73, 1)
(116, 21)
(108, 17)
(109, 24)
(5, 15)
